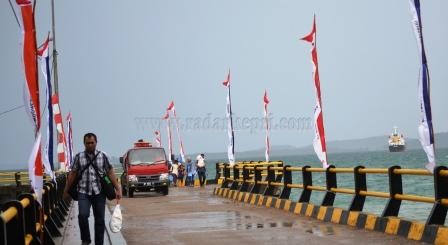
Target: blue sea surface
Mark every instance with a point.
(413, 185)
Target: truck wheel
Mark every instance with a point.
(131, 193)
(124, 190)
(165, 190)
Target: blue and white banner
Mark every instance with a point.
(425, 129)
(231, 146)
(44, 57)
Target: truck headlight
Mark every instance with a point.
(132, 178)
(163, 176)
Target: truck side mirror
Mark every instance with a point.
(121, 159)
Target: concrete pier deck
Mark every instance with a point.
(196, 216)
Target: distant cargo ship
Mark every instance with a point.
(396, 141)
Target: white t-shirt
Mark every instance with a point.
(175, 169)
(201, 161)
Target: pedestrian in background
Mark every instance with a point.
(175, 171)
(191, 171)
(201, 169)
(181, 175)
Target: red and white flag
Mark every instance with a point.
(319, 143)
(168, 129)
(266, 116)
(29, 62)
(172, 108)
(158, 139)
(61, 148)
(230, 133)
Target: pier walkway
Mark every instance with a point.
(196, 216)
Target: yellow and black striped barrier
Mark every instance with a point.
(274, 191)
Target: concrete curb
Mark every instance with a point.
(390, 225)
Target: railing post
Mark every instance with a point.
(395, 187)
(226, 172)
(49, 223)
(439, 211)
(218, 172)
(269, 191)
(257, 177)
(245, 186)
(61, 179)
(55, 214)
(60, 185)
(357, 203)
(331, 183)
(287, 179)
(18, 181)
(30, 214)
(307, 181)
(279, 176)
(236, 176)
(14, 230)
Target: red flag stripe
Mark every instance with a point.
(62, 143)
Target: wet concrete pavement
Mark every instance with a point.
(196, 216)
(71, 233)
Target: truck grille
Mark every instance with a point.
(148, 178)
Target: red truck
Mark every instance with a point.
(145, 168)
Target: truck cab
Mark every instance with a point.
(145, 168)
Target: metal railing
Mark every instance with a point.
(26, 221)
(278, 182)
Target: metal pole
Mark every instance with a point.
(55, 53)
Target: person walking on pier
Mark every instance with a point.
(89, 187)
(181, 175)
(174, 171)
(191, 171)
(200, 166)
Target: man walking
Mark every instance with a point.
(89, 187)
(201, 169)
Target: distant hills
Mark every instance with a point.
(377, 143)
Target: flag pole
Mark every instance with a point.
(55, 53)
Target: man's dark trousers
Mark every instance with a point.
(98, 203)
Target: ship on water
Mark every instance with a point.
(396, 141)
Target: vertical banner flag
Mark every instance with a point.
(29, 62)
(168, 128)
(62, 151)
(69, 141)
(44, 57)
(319, 143)
(231, 146)
(425, 129)
(182, 152)
(266, 116)
(158, 139)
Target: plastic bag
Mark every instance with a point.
(116, 219)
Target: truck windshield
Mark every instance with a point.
(147, 156)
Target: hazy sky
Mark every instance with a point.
(122, 60)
